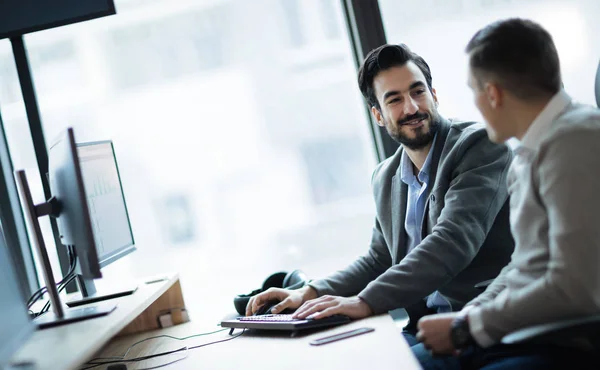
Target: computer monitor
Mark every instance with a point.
(69, 205)
(15, 326)
(72, 214)
(18, 17)
(108, 214)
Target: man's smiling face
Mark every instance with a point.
(408, 109)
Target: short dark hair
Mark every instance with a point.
(520, 55)
(385, 57)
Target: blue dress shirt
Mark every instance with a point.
(415, 208)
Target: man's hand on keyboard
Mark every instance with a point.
(287, 299)
(328, 305)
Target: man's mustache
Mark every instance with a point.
(417, 116)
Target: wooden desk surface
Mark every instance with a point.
(66, 347)
(385, 348)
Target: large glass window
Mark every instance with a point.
(239, 131)
(439, 30)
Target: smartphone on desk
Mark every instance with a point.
(340, 336)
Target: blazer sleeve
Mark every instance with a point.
(566, 170)
(476, 194)
(365, 269)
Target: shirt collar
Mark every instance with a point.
(406, 166)
(542, 122)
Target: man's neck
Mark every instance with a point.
(525, 114)
(418, 156)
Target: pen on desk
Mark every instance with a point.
(156, 280)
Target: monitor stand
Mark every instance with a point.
(59, 315)
(89, 294)
(50, 319)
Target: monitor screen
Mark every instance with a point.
(15, 326)
(18, 17)
(106, 201)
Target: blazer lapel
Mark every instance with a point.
(435, 160)
(399, 195)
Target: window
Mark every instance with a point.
(240, 155)
(439, 30)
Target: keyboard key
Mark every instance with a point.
(270, 318)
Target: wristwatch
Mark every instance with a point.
(460, 334)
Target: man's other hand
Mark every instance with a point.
(291, 299)
(434, 333)
(328, 305)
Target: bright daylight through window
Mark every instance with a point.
(240, 134)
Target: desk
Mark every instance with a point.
(68, 347)
(385, 348)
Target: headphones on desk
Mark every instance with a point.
(288, 280)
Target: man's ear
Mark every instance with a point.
(434, 94)
(494, 94)
(377, 115)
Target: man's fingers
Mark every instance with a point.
(305, 307)
(281, 306)
(260, 299)
(317, 308)
(249, 307)
(320, 314)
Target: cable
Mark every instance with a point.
(156, 337)
(62, 287)
(40, 292)
(219, 341)
(135, 359)
(168, 363)
(138, 359)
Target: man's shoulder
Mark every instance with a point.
(465, 135)
(579, 115)
(388, 167)
(577, 118)
(578, 122)
(465, 129)
(468, 144)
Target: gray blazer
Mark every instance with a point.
(466, 235)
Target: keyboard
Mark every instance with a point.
(282, 322)
(270, 318)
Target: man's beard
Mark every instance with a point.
(422, 138)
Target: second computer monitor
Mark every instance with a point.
(69, 203)
(106, 201)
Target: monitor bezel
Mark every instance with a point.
(109, 10)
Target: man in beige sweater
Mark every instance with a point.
(553, 182)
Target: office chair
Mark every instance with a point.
(588, 327)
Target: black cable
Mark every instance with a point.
(138, 359)
(40, 292)
(44, 289)
(155, 337)
(60, 289)
(135, 359)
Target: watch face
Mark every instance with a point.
(460, 333)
